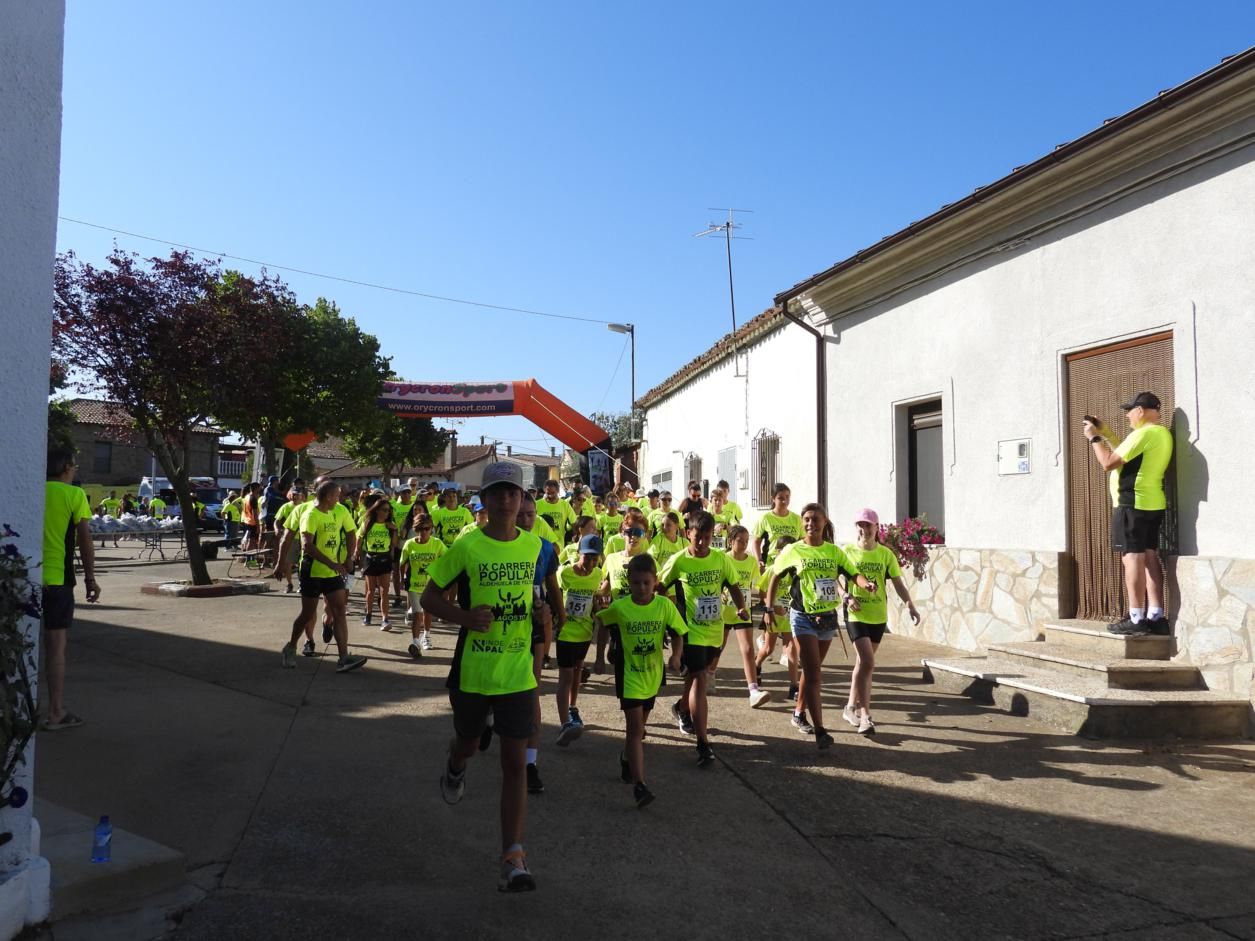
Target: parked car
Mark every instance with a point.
(211, 495)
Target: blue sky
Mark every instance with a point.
(558, 156)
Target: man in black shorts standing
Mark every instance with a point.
(65, 523)
(1136, 470)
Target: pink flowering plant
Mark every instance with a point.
(910, 540)
(19, 599)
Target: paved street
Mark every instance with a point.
(307, 801)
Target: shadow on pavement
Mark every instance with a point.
(317, 792)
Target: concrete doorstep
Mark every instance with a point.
(139, 868)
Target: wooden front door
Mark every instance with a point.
(1098, 381)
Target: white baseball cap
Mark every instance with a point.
(502, 472)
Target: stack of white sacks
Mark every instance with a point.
(128, 523)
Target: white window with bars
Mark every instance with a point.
(765, 463)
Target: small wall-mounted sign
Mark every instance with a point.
(1015, 456)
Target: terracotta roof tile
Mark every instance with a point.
(466, 454)
(768, 320)
(103, 412)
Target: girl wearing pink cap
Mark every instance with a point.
(867, 613)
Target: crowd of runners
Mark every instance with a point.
(637, 588)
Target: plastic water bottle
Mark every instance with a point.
(102, 844)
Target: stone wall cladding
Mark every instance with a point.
(1215, 622)
(976, 597)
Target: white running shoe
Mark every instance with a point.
(426, 642)
(850, 716)
(385, 625)
(759, 697)
(866, 726)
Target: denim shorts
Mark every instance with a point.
(821, 626)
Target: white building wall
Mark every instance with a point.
(719, 409)
(989, 340)
(31, 37)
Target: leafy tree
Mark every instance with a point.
(321, 374)
(157, 338)
(619, 425)
(392, 443)
(60, 425)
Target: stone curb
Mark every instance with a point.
(219, 589)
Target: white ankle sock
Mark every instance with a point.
(531, 756)
(1154, 614)
(1136, 614)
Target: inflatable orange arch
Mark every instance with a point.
(524, 397)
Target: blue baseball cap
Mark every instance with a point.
(591, 545)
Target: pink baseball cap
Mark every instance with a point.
(867, 515)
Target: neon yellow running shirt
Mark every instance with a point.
(814, 570)
(331, 530)
(419, 556)
(776, 526)
(701, 582)
(499, 575)
(558, 515)
(641, 630)
(378, 540)
(746, 574)
(878, 565)
(578, 592)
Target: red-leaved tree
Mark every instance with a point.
(163, 339)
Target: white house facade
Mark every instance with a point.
(31, 39)
(970, 344)
(744, 411)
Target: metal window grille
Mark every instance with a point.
(692, 469)
(765, 461)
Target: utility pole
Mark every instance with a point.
(630, 330)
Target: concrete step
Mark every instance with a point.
(1119, 673)
(1084, 705)
(139, 868)
(1094, 636)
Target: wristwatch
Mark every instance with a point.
(1096, 439)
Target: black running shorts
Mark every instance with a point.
(572, 653)
(697, 658)
(513, 714)
(873, 632)
(313, 587)
(378, 564)
(58, 607)
(646, 704)
(1135, 530)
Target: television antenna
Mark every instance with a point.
(728, 228)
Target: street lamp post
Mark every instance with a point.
(630, 330)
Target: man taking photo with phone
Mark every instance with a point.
(1135, 472)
